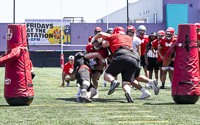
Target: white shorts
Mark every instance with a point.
(168, 67)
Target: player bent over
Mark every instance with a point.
(83, 75)
(126, 61)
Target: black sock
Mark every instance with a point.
(163, 83)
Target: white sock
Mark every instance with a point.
(79, 92)
(142, 90)
(150, 81)
(105, 82)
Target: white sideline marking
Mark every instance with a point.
(142, 121)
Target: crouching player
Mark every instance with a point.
(83, 75)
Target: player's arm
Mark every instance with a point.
(139, 49)
(160, 47)
(104, 36)
(145, 55)
(95, 55)
(63, 79)
(153, 50)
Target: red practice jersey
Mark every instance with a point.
(166, 44)
(145, 39)
(155, 45)
(102, 51)
(117, 40)
(68, 69)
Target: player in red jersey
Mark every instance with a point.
(144, 40)
(154, 47)
(126, 61)
(95, 48)
(67, 74)
(165, 44)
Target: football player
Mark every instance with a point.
(165, 44)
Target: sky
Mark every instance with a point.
(90, 10)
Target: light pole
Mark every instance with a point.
(13, 11)
(127, 15)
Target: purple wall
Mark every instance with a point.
(193, 12)
(3, 29)
(79, 34)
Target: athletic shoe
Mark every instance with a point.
(170, 85)
(145, 95)
(78, 100)
(104, 85)
(155, 87)
(67, 85)
(77, 85)
(129, 98)
(84, 99)
(147, 85)
(114, 84)
(96, 96)
(162, 87)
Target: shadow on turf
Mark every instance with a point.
(94, 100)
(169, 103)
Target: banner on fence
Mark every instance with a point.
(47, 31)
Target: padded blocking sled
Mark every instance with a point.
(18, 87)
(185, 87)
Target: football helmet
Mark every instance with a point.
(131, 29)
(97, 44)
(97, 30)
(197, 27)
(142, 30)
(118, 30)
(160, 34)
(169, 33)
(109, 30)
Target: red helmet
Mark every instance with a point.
(161, 32)
(89, 39)
(170, 33)
(197, 25)
(118, 30)
(170, 30)
(97, 30)
(130, 28)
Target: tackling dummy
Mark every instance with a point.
(185, 86)
(18, 87)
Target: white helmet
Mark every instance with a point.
(141, 29)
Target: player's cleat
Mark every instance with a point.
(104, 85)
(114, 84)
(156, 87)
(96, 96)
(129, 98)
(77, 85)
(67, 85)
(84, 99)
(147, 85)
(162, 87)
(145, 95)
(78, 100)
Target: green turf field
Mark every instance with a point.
(55, 105)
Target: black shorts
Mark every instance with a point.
(160, 63)
(129, 68)
(101, 71)
(171, 64)
(84, 75)
(143, 62)
(108, 62)
(153, 64)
